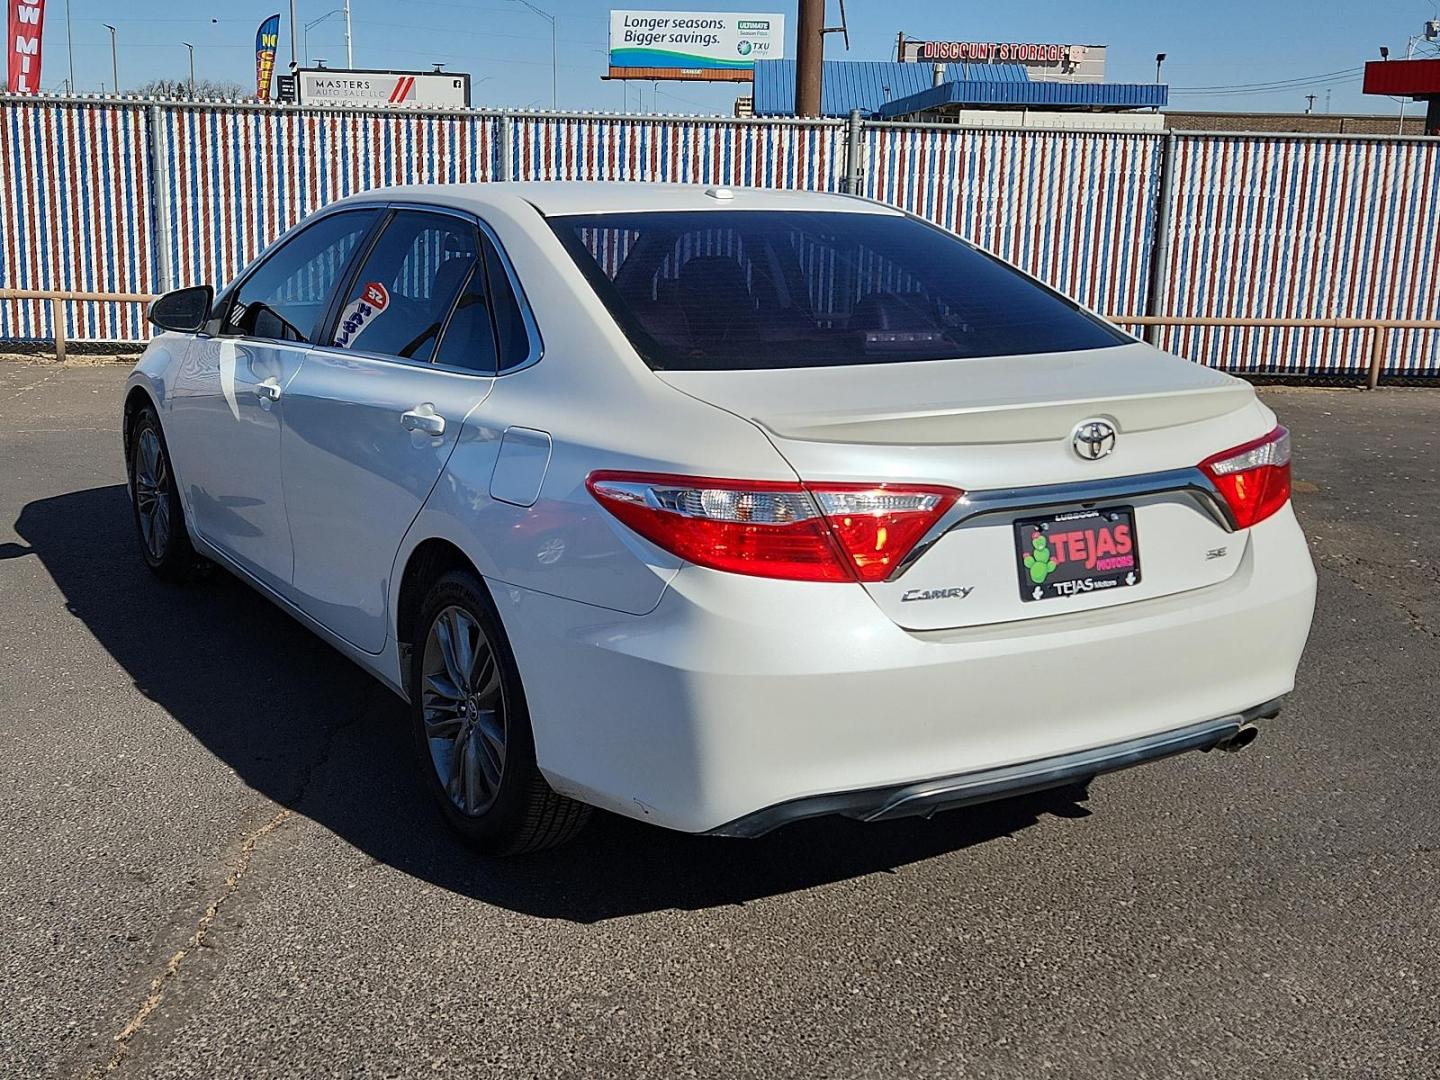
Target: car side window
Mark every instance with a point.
(488, 332)
(510, 328)
(469, 340)
(287, 295)
(400, 300)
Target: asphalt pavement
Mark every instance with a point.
(215, 859)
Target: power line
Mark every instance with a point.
(1274, 83)
(447, 30)
(1271, 90)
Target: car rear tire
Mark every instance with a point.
(155, 501)
(472, 729)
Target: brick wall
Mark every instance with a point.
(1316, 123)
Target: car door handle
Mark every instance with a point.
(423, 418)
(269, 390)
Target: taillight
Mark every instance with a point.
(1254, 478)
(803, 532)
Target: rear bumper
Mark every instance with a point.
(929, 797)
(738, 695)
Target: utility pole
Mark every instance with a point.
(349, 45)
(809, 57)
(192, 68)
(1309, 104)
(114, 60)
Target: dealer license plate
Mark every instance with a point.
(1077, 552)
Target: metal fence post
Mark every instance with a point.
(159, 201)
(853, 151)
(1160, 243)
(505, 139)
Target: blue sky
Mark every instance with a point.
(507, 48)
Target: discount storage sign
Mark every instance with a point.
(702, 40)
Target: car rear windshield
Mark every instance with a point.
(714, 290)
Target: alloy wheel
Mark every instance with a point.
(152, 493)
(463, 706)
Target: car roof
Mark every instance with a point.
(561, 197)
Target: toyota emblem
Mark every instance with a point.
(1093, 439)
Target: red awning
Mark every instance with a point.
(1403, 78)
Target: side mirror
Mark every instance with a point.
(184, 310)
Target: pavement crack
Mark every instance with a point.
(360, 716)
(160, 986)
(1339, 566)
(26, 388)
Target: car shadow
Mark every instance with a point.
(305, 727)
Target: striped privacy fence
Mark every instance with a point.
(691, 151)
(75, 213)
(1076, 209)
(138, 197)
(1284, 228)
(234, 179)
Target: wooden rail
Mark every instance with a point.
(1377, 327)
(59, 299)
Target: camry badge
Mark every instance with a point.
(953, 593)
(1093, 439)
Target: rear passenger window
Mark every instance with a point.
(469, 340)
(487, 333)
(404, 293)
(510, 327)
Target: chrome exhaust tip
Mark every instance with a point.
(1243, 737)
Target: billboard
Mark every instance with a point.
(24, 25)
(693, 44)
(266, 39)
(384, 89)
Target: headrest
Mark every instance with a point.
(713, 280)
(449, 275)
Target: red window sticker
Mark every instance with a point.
(361, 312)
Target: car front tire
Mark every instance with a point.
(155, 501)
(472, 729)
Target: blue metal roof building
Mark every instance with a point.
(886, 90)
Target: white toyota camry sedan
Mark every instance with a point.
(721, 508)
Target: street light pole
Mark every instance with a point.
(1400, 128)
(114, 59)
(294, 29)
(349, 56)
(554, 55)
(192, 68)
(70, 45)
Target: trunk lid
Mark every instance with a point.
(992, 425)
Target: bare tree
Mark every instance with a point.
(205, 90)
